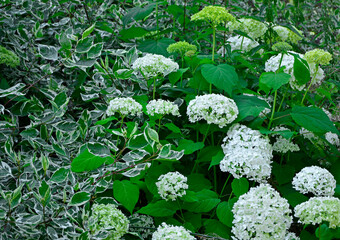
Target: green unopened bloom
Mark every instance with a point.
(318, 56)
(8, 57)
(287, 35)
(107, 218)
(213, 15)
(181, 47)
(282, 47)
(252, 27)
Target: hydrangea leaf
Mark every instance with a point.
(189, 146)
(212, 226)
(249, 106)
(138, 13)
(207, 200)
(240, 186)
(225, 214)
(271, 80)
(87, 161)
(126, 193)
(156, 46)
(313, 119)
(222, 76)
(301, 70)
(159, 209)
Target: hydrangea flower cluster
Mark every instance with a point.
(282, 47)
(8, 57)
(181, 47)
(318, 56)
(282, 144)
(273, 64)
(170, 232)
(124, 106)
(141, 224)
(239, 43)
(316, 180)
(247, 153)
(319, 209)
(332, 138)
(152, 65)
(254, 29)
(172, 185)
(108, 218)
(287, 35)
(261, 214)
(214, 108)
(162, 107)
(213, 15)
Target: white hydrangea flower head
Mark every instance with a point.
(287, 35)
(124, 106)
(170, 232)
(239, 43)
(291, 236)
(162, 107)
(153, 65)
(172, 185)
(319, 209)
(141, 224)
(273, 63)
(261, 214)
(282, 144)
(247, 153)
(332, 138)
(316, 180)
(108, 218)
(254, 29)
(214, 108)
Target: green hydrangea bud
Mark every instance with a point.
(318, 56)
(106, 217)
(190, 53)
(282, 47)
(213, 15)
(8, 57)
(181, 47)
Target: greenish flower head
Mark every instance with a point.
(286, 35)
(213, 15)
(8, 57)
(252, 27)
(282, 47)
(181, 47)
(106, 217)
(318, 56)
(190, 53)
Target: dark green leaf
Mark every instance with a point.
(159, 209)
(249, 106)
(189, 146)
(270, 80)
(87, 161)
(240, 186)
(301, 70)
(80, 198)
(126, 193)
(156, 46)
(225, 214)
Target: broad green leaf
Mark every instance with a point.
(159, 209)
(175, 76)
(84, 45)
(60, 175)
(216, 159)
(225, 214)
(313, 119)
(198, 82)
(126, 193)
(197, 182)
(172, 127)
(212, 226)
(12, 90)
(80, 198)
(86, 161)
(207, 200)
(189, 146)
(88, 31)
(133, 32)
(249, 106)
(48, 52)
(156, 46)
(283, 173)
(95, 50)
(222, 76)
(271, 80)
(301, 70)
(138, 13)
(240, 186)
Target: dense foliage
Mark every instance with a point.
(143, 119)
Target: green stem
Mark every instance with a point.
(316, 70)
(284, 95)
(159, 124)
(213, 53)
(225, 184)
(273, 111)
(180, 209)
(154, 88)
(242, 43)
(157, 20)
